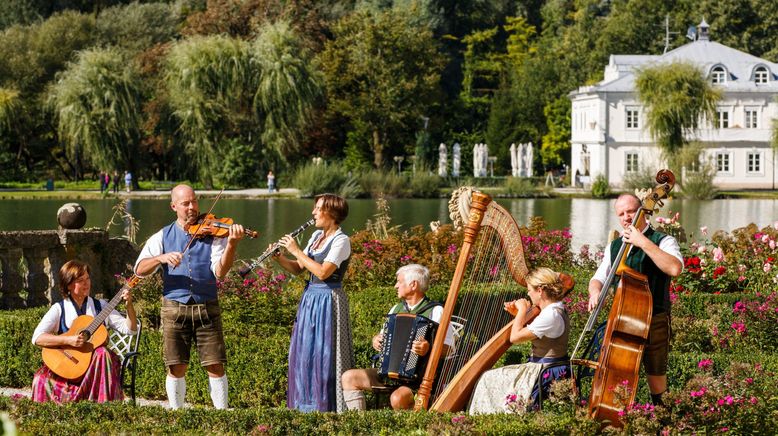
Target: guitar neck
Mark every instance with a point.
(108, 308)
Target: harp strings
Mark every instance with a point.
(488, 283)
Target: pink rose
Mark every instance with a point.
(718, 255)
(704, 230)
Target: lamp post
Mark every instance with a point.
(399, 160)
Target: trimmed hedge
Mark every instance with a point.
(117, 418)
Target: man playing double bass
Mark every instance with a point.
(658, 256)
(190, 308)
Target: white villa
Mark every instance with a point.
(608, 134)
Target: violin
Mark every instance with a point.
(208, 225)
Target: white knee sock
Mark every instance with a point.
(218, 388)
(176, 391)
(355, 399)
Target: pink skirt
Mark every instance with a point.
(100, 383)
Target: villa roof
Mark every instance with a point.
(739, 66)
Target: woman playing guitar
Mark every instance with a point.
(101, 381)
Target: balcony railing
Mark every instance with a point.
(30, 261)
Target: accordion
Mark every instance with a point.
(397, 362)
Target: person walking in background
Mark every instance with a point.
(128, 181)
(102, 181)
(115, 182)
(271, 182)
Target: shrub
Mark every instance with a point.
(699, 184)
(425, 184)
(644, 178)
(377, 182)
(519, 187)
(600, 187)
(312, 179)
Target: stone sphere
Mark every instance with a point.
(71, 216)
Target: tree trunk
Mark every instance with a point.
(378, 148)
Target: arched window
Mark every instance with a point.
(761, 74)
(718, 75)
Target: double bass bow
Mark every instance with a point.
(628, 322)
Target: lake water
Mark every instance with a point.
(589, 220)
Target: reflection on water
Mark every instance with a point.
(589, 220)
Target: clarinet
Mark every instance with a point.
(243, 271)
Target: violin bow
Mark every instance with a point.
(201, 227)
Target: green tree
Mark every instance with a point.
(137, 26)
(97, 103)
(287, 88)
(382, 73)
(556, 143)
(209, 89)
(677, 98)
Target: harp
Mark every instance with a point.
(491, 269)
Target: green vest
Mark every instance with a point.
(423, 304)
(658, 281)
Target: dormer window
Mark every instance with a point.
(718, 75)
(760, 75)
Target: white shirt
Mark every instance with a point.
(153, 248)
(668, 244)
(549, 323)
(436, 315)
(339, 251)
(50, 321)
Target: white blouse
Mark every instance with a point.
(340, 250)
(549, 323)
(50, 321)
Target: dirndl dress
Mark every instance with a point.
(320, 350)
(100, 383)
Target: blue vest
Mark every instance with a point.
(193, 278)
(336, 279)
(63, 327)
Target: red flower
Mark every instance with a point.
(718, 272)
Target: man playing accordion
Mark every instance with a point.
(412, 284)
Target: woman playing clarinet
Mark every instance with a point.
(321, 347)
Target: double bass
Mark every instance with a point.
(628, 322)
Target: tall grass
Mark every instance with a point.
(312, 179)
(390, 184)
(519, 187)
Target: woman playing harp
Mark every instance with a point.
(548, 332)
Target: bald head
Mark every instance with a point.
(626, 207)
(180, 191)
(628, 199)
(184, 202)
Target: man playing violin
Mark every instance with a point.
(658, 256)
(190, 308)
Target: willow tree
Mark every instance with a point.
(97, 103)
(287, 88)
(10, 106)
(208, 80)
(677, 98)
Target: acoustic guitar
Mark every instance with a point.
(71, 362)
